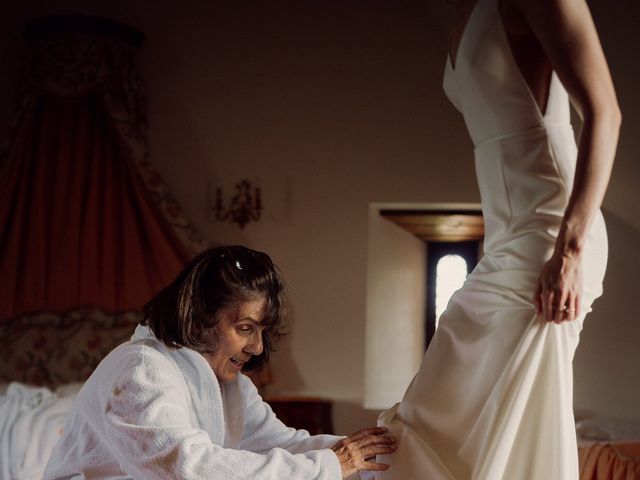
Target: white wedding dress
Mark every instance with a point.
(493, 397)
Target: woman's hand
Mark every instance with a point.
(356, 451)
(560, 288)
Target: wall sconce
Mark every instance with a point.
(245, 205)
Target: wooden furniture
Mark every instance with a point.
(309, 413)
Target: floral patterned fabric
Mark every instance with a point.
(52, 350)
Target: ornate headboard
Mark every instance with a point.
(51, 350)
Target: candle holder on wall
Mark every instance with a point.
(244, 207)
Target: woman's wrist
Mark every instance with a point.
(572, 236)
(570, 243)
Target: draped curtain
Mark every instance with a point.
(85, 219)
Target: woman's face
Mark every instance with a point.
(238, 337)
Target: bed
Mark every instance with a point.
(43, 361)
(609, 449)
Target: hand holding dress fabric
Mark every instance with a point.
(560, 288)
(356, 451)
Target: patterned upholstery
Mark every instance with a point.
(52, 350)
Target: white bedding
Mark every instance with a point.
(600, 429)
(31, 421)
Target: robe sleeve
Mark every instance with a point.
(264, 431)
(148, 427)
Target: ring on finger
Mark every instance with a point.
(564, 309)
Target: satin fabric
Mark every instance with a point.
(493, 397)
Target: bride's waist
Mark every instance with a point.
(535, 233)
(537, 130)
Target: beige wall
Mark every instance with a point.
(395, 311)
(331, 106)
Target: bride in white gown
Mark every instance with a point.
(493, 397)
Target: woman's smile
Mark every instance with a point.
(237, 338)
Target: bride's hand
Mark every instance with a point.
(560, 288)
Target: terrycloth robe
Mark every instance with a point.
(150, 412)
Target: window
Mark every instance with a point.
(448, 264)
(451, 271)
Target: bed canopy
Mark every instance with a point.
(88, 229)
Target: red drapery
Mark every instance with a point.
(85, 220)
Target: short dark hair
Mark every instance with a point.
(183, 312)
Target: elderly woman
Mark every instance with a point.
(173, 403)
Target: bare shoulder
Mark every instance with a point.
(549, 5)
(552, 12)
(567, 34)
(554, 23)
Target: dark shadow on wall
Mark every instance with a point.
(286, 376)
(607, 359)
(350, 417)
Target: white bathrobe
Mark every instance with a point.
(150, 412)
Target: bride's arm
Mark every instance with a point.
(567, 34)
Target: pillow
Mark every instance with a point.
(608, 429)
